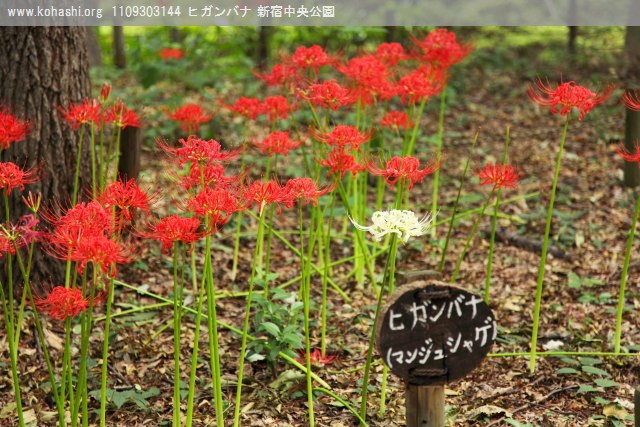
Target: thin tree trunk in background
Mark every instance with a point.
(93, 47)
(43, 68)
(392, 34)
(175, 35)
(572, 18)
(262, 51)
(632, 118)
(130, 151)
(573, 36)
(119, 57)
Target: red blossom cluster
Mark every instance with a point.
(404, 169)
(97, 113)
(171, 53)
(12, 129)
(274, 107)
(567, 96)
(190, 117)
(498, 175)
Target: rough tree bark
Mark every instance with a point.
(632, 119)
(119, 57)
(43, 68)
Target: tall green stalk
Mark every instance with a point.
(455, 205)
(545, 247)
(494, 223)
(247, 317)
(624, 276)
(436, 175)
(177, 303)
(388, 278)
(472, 233)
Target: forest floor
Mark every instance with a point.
(593, 216)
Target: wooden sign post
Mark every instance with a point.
(431, 333)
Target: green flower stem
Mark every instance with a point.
(94, 182)
(387, 278)
(295, 250)
(306, 302)
(247, 316)
(67, 377)
(624, 276)
(436, 175)
(543, 255)
(76, 178)
(101, 160)
(116, 154)
(359, 237)
(177, 303)
(105, 355)
(454, 276)
(26, 282)
(455, 205)
(325, 275)
(212, 323)
(284, 356)
(343, 402)
(410, 148)
(13, 358)
(492, 240)
(194, 354)
(134, 310)
(80, 398)
(494, 223)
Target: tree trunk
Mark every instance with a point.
(43, 68)
(175, 35)
(262, 54)
(93, 47)
(119, 57)
(632, 118)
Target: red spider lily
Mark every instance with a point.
(173, 229)
(405, 169)
(88, 111)
(190, 116)
(12, 176)
(628, 156)
(421, 83)
(280, 75)
(171, 53)
(215, 204)
(11, 129)
(498, 175)
(567, 96)
(303, 190)
(312, 57)
(264, 193)
(197, 150)
(250, 108)
(82, 221)
(277, 142)
(126, 196)
(210, 175)
(105, 91)
(62, 303)
(365, 70)
(276, 107)
(370, 75)
(343, 136)
(317, 358)
(391, 53)
(120, 115)
(340, 162)
(328, 94)
(20, 234)
(441, 48)
(396, 120)
(100, 251)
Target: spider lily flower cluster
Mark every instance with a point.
(367, 117)
(403, 223)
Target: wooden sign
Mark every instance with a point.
(432, 333)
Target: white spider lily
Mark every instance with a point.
(405, 224)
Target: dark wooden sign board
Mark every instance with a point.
(431, 333)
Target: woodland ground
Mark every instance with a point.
(593, 216)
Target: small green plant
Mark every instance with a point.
(595, 381)
(135, 396)
(278, 321)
